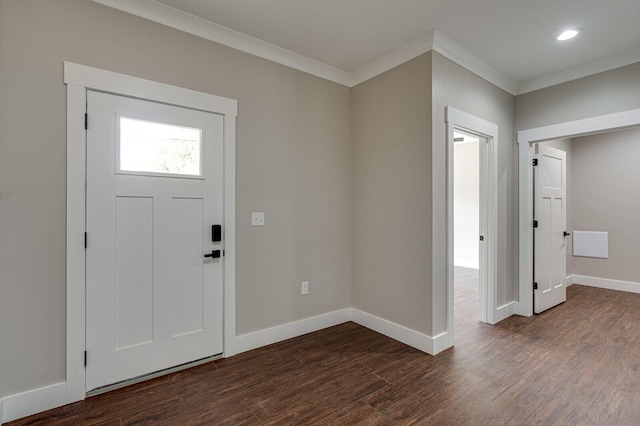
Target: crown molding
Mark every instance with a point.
(186, 22)
(403, 54)
(166, 15)
(436, 41)
(606, 64)
(461, 56)
(440, 43)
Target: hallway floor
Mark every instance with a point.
(578, 363)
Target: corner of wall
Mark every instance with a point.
(428, 344)
(505, 311)
(268, 336)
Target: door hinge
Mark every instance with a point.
(85, 358)
(535, 223)
(534, 162)
(86, 121)
(481, 237)
(535, 285)
(223, 252)
(85, 240)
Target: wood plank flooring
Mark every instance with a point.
(578, 363)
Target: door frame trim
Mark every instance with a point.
(457, 119)
(525, 139)
(79, 79)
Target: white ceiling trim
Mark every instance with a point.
(399, 56)
(606, 64)
(461, 56)
(186, 22)
(448, 48)
(436, 41)
(166, 15)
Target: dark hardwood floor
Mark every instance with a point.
(578, 364)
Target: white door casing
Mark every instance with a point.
(550, 213)
(153, 302)
(79, 79)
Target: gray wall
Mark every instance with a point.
(461, 89)
(606, 197)
(392, 195)
(605, 93)
(293, 163)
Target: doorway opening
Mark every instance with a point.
(467, 193)
(485, 135)
(594, 248)
(526, 139)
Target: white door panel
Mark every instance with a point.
(134, 271)
(153, 300)
(550, 213)
(186, 265)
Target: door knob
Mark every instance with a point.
(566, 234)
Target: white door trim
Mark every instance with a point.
(457, 119)
(79, 79)
(587, 126)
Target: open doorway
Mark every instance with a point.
(596, 247)
(466, 230)
(485, 135)
(526, 139)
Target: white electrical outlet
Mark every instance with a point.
(304, 288)
(257, 219)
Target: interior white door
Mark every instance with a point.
(550, 262)
(154, 190)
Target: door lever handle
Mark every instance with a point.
(214, 254)
(566, 234)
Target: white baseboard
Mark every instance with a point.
(1, 410)
(257, 339)
(24, 404)
(504, 312)
(569, 280)
(428, 344)
(440, 343)
(628, 286)
(466, 263)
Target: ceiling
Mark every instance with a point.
(516, 37)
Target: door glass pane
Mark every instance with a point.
(146, 147)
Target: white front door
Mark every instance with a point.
(154, 190)
(550, 210)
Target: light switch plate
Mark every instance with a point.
(257, 219)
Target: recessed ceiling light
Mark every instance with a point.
(569, 34)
